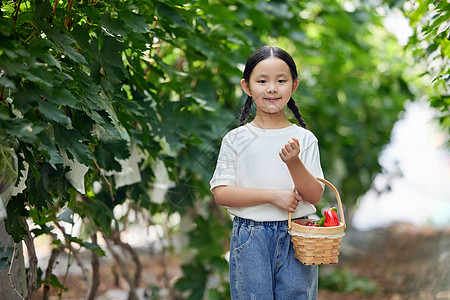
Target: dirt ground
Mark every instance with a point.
(403, 261)
(406, 262)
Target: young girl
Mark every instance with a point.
(258, 166)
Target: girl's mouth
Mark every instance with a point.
(272, 99)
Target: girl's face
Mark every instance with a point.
(271, 86)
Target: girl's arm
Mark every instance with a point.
(305, 183)
(233, 196)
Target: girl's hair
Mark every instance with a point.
(258, 56)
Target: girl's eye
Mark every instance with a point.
(261, 81)
(282, 81)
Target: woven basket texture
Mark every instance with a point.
(323, 246)
(316, 251)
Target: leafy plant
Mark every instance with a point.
(347, 282)
(431, 46)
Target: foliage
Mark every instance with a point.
(90, 86)
(430, 45)
(347, 282)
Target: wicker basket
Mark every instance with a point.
(317, 245)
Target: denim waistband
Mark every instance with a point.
(243, 221)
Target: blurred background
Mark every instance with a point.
(416, 188)
(111, 117)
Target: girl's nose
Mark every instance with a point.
(272, 88)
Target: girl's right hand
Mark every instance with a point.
(286, 200)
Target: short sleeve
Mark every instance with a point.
(225, 172)
(310, 157)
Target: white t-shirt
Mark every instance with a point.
(249, 157)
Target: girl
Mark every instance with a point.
(258, 165)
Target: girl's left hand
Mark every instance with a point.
(289, 153)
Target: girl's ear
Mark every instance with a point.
(246, 87)
(294, 85)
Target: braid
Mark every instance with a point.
(293, 107)
(245, 111)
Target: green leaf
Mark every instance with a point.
(111, 60)
(101, 214)
(94, 247)
(66, 216)
(114, 25)
(72, 141)
(14, 68)
(40, 48)
(49, 149)
(136, 23)
(42, 11)
(7, 83)
(43, 230)
(172, 16)
(64, 41)
(54, 282)
(90, 246)
(14, 223)
(52, 112)
(39, 195)
(25, 100)
(108, 150)
(61, 96)
(39, 75)
(20, 128)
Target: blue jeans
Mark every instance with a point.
(263, 266)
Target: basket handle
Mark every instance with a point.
(338, 198)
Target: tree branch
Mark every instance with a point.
(123, 268)
(9, 273)
(55, 253)
(95, 262)
(16, 12)
(75, 254)
(55, 4)
(134, 256)
(33, 261)
(107, 181)
(68, 20)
